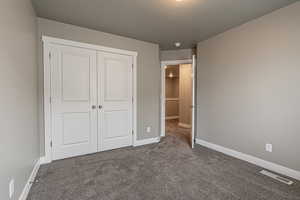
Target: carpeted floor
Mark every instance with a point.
(170, 170)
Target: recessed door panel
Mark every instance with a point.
(76, 128)
(75, 77)
(115, 99)
(113, 117)
(74, 92)
(116, 80)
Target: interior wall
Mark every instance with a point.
(148, 70)
(180, 54)
(185, 94)
(19, 143)
(248, 87)
(172, 91)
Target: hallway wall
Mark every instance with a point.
(172, 91)
(185, 94)
(180, 54)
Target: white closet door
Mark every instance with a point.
(74, 100)
(114, 100)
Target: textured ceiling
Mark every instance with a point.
(159, 21)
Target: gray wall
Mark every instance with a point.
(148, 69)
(248, 87)
(19, 140)
(180, 54)
(172, 91)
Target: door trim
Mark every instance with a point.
(163, 97)
(47, 42)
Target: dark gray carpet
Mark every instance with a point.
(169, 170)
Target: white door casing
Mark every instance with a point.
(193, 101)
(163, 98)
(115, 100)
(73, 96)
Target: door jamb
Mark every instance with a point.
(47, 41)
(163, 97)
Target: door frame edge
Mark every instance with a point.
(163, 97)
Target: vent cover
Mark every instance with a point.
(276, 177)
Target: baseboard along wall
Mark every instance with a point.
(30, 180)
(251, 159)
(146, 141)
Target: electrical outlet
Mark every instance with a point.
(11, 188)
(148, 129)
(269, 147)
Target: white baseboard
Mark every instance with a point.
(183, 125)
(44, 161)
(32, 176)
(172, 117)
(146, 141)
(251, 159)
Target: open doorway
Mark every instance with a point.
(178, 100)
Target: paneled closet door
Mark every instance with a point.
(114, 100)
(74, 101)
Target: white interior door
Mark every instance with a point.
(115, 101)
(73, 96)
(163, 101)
(193, 100)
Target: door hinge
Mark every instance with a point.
(132, 132)
(51, 144)
(49, 55)
(50, 99)
(132, 99)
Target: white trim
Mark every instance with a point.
(47, 104)
(194, 76)
(183, 125)
(44, 161)
(163, 101)
(52, 40)
(162, 96)
(251, 159)
(47, 41)
(146, 141)
(134, 99)
(30, 180)
(172, 117)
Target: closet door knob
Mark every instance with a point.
(100, 107)
(94, 107)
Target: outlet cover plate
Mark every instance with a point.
(269, 147)
(148, 129)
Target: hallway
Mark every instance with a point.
(173, 129)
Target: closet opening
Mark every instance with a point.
(178, 100)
